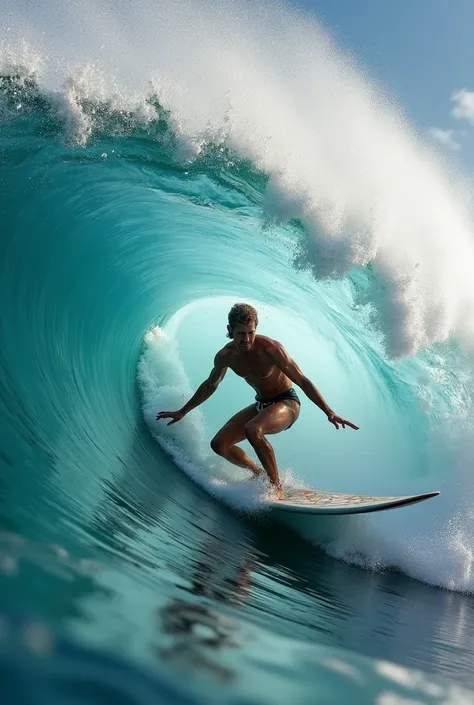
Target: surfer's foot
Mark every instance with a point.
(277, 492)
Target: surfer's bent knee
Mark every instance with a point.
(253, 432)
(219, 446)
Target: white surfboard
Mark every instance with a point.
(319, 502)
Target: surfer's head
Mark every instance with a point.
(243, 322)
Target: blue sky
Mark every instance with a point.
(421, 51)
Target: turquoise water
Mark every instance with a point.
(141, 195)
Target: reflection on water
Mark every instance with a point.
(196, 630)
(156, 569)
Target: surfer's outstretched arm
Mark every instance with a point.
(207, 388)
(202, 393)
(289, 367)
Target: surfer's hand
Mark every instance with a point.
(338, 421)
(173, 415)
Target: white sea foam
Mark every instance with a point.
(340, 156)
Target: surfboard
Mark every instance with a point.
(319, 502)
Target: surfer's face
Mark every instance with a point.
(243, 336)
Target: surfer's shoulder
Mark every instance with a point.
(273, 350)
(268, 344)
(223, 356)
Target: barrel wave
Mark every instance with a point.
(141, 196)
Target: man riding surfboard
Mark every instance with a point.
(267, 367)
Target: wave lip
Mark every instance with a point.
(337, 152)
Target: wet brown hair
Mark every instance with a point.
(242, 313)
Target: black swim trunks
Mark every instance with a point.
(290, 395)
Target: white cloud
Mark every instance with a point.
(463, 105)
(445, 137)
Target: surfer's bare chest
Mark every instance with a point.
(254, 366)
(260, 372)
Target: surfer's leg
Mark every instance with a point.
(224, 442)
(274, 419)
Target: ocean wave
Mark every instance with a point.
(143, 192)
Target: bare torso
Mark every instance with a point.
(257, 368)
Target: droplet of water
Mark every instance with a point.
(38, 639)
(8, 565)
(60, 551)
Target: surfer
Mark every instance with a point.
(267, 367)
